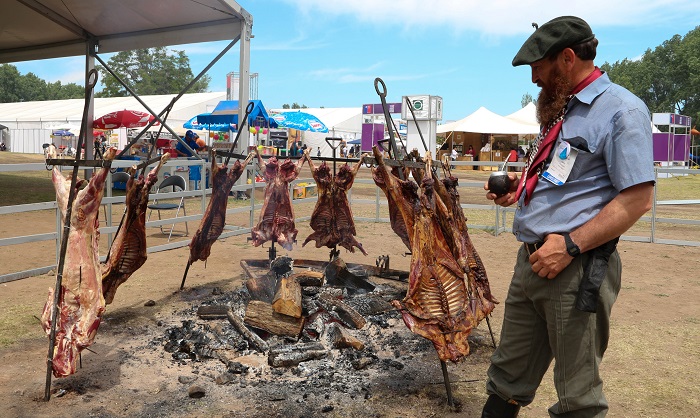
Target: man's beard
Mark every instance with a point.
(552, 100)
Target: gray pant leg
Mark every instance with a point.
(541, 323)
(523, 355)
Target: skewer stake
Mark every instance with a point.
(58, 293)
(448, 387)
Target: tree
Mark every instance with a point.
(666, 78)
(527, 98)
(150, 71)
(15, 87)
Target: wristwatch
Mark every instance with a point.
(571, 246)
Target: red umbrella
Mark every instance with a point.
(123, 119)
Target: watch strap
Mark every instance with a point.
(571, 246)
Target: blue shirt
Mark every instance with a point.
(191, 142)
(611, 128)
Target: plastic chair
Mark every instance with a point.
(176, 183)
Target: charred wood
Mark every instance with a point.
(341, 311)
(262, 288)
(261, 315)
(249, 335)
(341, 338)
(288, 356)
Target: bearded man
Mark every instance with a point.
(589, 177)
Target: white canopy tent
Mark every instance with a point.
(526, 115)
(486, 122)
(30, 123)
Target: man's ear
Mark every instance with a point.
(568, 58)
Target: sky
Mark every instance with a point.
(327, 53)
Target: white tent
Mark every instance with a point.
(30, 123)
(486, 122)
(526, 115)
(342, 122)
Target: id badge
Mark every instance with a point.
(561, 165)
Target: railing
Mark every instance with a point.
(502, 217)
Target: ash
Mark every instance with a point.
(391, 360)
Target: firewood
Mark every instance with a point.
(260, 315)
(288, 356)
(262, 287)
(342, 311)
(370, 304)
(341, 338)
(338, 274)
(287, 300)
(213, 311)
(249, 335)
(309, 278)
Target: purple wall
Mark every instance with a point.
(668, 147)
(371, 133)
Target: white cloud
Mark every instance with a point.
(499, 17)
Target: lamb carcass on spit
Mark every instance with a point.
(401, 196)
(437, 304)
(332, 219)
(214, 219)
(277, 215)
(454, 227)
(81, 304)
(128, 251)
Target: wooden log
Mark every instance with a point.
(288, 356)
(249, 335)
(213, 311)
(341, 311)
(309, 278)
(341, 338)
(260, 315)
(370, 304)
(338, 274)
(287, 300)
(262, 287)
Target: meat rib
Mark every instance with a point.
(214, 219)
(332, 219)
(401, 195)
(81, 304)
(128, 251)
(462, 247)
(277, 215)
(437, 304)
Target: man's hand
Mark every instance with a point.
(551, 258)
(508, 198)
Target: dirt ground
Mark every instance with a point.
(650, 368)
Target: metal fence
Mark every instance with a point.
(501, 217)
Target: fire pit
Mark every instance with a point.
(347, 344)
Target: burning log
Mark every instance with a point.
(288, 356)
(213, 311)
(309, 278)
(341, 311)
(249, 335)
(261, 315)
(287, 299)
(338, 274)
(263, 287)
(341, 338)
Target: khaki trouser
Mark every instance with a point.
(540, 324)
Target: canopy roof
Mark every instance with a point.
(486, 122)
(527, 115)
(345, 119)
(226, 112)
(39, 29)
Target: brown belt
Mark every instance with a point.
(531, 248)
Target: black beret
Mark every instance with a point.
(553, 37)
